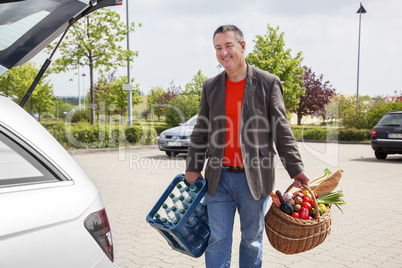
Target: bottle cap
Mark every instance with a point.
(175, 221)
(179, 186)
(181, 198)
(187, 189)
(157, 215)
(174, 208)
(195, 190)
(164, 220)
(171, 195)
(182, 211)
(189, 200)
(164, 206)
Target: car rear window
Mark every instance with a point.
(18, 18)
(392, 119)
(18, 166)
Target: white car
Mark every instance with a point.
(51, 214)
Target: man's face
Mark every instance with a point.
(229, 52)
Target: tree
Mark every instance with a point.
(155, 102)
(269, 54)
(181, 109)
(16, 82)
(59, 107)
(317, 95)
(194, 87)
(159, 101)
(109, 92)
(95, 41)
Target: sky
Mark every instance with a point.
(175, 41)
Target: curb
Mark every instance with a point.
(103, 150)
(340, 142)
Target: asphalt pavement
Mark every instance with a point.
(367, 234)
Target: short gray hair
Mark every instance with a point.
(225, 28)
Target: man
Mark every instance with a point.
(242, 114)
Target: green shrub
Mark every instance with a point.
(81, 116)
(324, 133)
(84, 135)
(160, 129)
(133, 134)
(353, 134)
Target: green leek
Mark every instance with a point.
(316, 182)
(332, 198)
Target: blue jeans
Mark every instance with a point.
(233, 192)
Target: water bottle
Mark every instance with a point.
(177, 213)
(201, 212)
(187, 235)
(193, 192)
(175, 200)
(187, 203)
(187, 191)
(166, 208)
(169, 213)
(162, 212)
(199, 229)
(180, 188)
(203, 202)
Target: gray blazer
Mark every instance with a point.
(262, 123)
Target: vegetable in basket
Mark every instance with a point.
(332, 198)
(285, 205)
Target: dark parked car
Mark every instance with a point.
(386, 136)
(175, 140)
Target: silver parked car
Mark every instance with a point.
(52, 215)
(175, 140)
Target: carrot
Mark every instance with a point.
(275, 199)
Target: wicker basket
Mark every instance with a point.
(290, 235)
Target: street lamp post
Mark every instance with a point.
(360, 11)
(129, 95)
(79, 88)
(83, 87)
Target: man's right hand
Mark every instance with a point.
(192, 176)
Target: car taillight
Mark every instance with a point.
(98, 226)
(373, 132)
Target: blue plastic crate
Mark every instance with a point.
(172, 232)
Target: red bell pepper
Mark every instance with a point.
(303, 213)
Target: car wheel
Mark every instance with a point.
(380, 155)
(171, 154)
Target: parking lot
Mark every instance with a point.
(368, 234)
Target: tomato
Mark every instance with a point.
(308, 200)
(306, 205)
(295, 215)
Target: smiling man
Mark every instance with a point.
(242, 114)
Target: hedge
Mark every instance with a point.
(75, 136)
(83, 135)
(323, 133)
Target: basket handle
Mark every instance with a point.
(305, 186)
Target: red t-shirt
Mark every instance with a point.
(233, 102)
